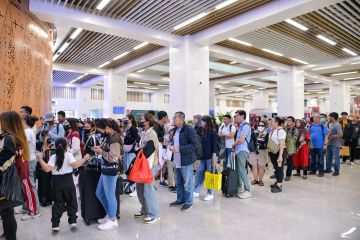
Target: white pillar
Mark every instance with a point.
(290, 93)
(157, 101)
(212, 98)
(115, 95)
(340, 99)
(260, 100)
(189, 79)
(83, 97)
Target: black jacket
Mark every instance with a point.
(351, 133)
(131, 137)
(188, 143)
(209, 145)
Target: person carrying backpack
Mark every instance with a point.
(227, 133)
(258, 158)
(292, 136)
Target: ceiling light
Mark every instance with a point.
(141, 70)
(162, 85)
(152, 88)
(325, 39)
(64, 46)
(142, 83)
(307, 93)
(246, 85)
(226, 92)
(258, 69)
(76, 33)
(263, 88)
(321, 92)
(355, 63)
(316, 69)
(349, 51)
(73, 81)
(121, 55)
(344, 73)
(102, 4)
(55, 57)
(191, 20)
(300, 61)
(271, 51)
(224, 4)
(316, 82)
(141, 45)
(225, 82)
(233, 62)
(239, 41)
(296, 24)
(352, 78)
(103, 65)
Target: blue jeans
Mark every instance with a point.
(333, 154)
(241, 159)
(205, 165)
(105, 192)
(128, 157)
(227, 158)
(147, 197)
(317, 160)
(184, 184)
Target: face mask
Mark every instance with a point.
(66, 127)
(126, 122)
(87, 130)
(261, 129)
(322, 120)
(141, 124)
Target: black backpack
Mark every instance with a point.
(252, 144)
(160, 131)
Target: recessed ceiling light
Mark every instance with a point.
(271, 51)
(344, 73)
(296, 24)
(322, 92)
(76, 33)
(349, 51)
(224, 4)
(300, 61)
(262, 88)
(142, 83)
(316, 82)
(316, 69)
(225, 82)
(239, 41)
(64, 46)
(325, 39)
(141, 45)
(152, 88)
(233, 62)
(258, 69)
(352, 78)
(191, 20)
(121, 55)
(355, 63)
(102, 4)
(103, 65)
(162, 85)
(247, 85)
(141, 70)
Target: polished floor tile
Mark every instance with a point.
(317, 208)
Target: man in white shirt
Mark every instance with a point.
(227, 131)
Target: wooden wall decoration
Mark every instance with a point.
(25, 60)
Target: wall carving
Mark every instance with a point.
(25, 60)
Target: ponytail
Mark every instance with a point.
(61, 146)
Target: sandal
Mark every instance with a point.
(254, 182)
(261, 183)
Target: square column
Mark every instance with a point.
(115, 95)
(340, 98)
(260, 100)
(212, 97)
(290, 93)
(189, 79)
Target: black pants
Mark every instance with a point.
(304, 170)
(63, 192)
(290, 167)
(9, 223)
(354, 152)
(279, 170)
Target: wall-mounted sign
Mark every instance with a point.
(118, 110)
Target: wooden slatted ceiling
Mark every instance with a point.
(66, 77)
(257, 52)
(238, 74)
(221, 15)
(328, 74)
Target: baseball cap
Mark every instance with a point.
(48, 117)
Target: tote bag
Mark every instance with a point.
(140, 172)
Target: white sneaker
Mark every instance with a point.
(209, 197)
(73, 225)
(352, 164)
(133, 194)
(242, 189)
(196, 194)
(245, 195)
(29, 217)
(109, 225)
(56, 229)
(103, 220)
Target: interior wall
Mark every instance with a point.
(25, 60)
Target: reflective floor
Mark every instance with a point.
(317, 208)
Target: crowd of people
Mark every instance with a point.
(48, 159)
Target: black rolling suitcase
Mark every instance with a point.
(230, 180)
(44, 183)
(119, 191)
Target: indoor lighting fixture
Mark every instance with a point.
(191, 20)
(300, 61)
(246, 85)
(63, 47)
(355, 63)
(352, 78)
(316, 82)
(344, 73)
(225, 82)
(296, 24)
(102, 4)
(325, 39)
(349, 51)
(76, 33)
(121, 55)
(224, 4)
(152, 88)
(103, 65)
(141, 45)
(258, 69)
(239, 41)
(271, 51)
(316, 69)
(321, 92)
(263, 88)
(162, 85)
(141, 70)
(233, 62)
(142, 83)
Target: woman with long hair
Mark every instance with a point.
(14, 149)
(301, 157)
(110, 150)
(146, 192)
(73, 139)
(209, 140)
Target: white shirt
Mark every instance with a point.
(31, 139)
(226, 130)
(75, 149)
(66, 167)
(277, 135)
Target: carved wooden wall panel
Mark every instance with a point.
(25, 60)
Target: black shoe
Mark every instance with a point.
(335, 174)
(45, 204)
(287, 178)
(139, 215)
(172, 189)
(320, 175)
(276, 189)
(176, 203)
(272, 176)
(273, 185)
(164, 184)
(328, 171)
(186, 207)
(309, 173)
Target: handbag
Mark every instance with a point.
(345, 151)
(272, 146)
(10, 186)
(213, 180)
(140, 171)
